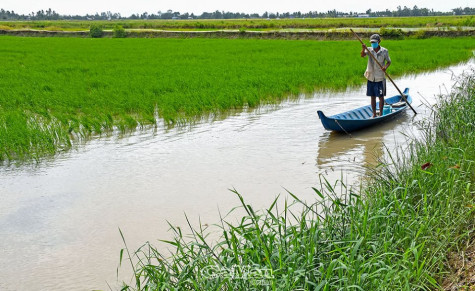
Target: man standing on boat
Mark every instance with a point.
(376, 86)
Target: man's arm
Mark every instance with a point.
(363, 51)
(388, 63)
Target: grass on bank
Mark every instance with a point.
(57, 90)
(394, 235)
(373, 22)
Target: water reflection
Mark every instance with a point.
(333, 146)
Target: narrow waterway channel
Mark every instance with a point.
(59, 219)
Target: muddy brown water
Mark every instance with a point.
(59, 219)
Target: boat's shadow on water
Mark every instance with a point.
(352, 154)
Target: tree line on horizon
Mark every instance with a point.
(169, 14)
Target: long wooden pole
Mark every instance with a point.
(387, 75)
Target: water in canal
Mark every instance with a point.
(59, 219)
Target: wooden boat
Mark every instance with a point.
(362, 117)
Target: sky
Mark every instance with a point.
(128, 7)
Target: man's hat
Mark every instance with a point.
(375, 38)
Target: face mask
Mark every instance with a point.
(374, 45)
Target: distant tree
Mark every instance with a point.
(469, 11)
(331, 13)
(415, 11)
(458, 11)
(50, 14)
(167, 15)
(424, 12)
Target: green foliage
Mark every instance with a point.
(420, 34)
(393, 33)
(119, 32)
(96, 31)
(83, 87)
(395, 235)
(469, 21)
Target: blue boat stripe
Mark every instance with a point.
(361, 116)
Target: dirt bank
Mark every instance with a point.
(462, 268)
(316, 35)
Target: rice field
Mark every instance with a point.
(314, 23)
(57, 91)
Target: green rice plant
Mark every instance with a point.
(261, 24)
(89, 86)
(394, 235)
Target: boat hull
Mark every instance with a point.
(360, 118)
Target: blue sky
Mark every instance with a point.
(127, 7)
